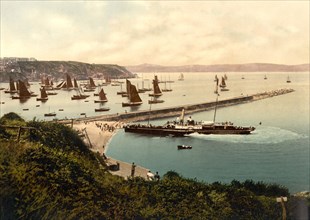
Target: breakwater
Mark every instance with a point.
(175, 111)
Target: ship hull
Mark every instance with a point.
(163, 131)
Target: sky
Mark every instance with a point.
(157, 32)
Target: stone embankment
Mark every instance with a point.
(175, 111)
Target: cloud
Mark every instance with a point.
(167, 33)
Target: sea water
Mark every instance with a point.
(276, 152)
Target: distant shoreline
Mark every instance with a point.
(248, 67)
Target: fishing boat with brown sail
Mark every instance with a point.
(43, 96)
(91, 86)
(223, 85)
(134, 98)
(67, 84)
(23, 92)
(12, 89)
(156, 90)
(102, 97)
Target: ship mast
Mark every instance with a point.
(217, 97)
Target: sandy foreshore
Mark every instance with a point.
(97, 135)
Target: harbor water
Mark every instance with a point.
(277, 152)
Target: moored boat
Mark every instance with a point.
(182, 147)
(51, 114)
(134, 98)
(102, 97)
(102, 109)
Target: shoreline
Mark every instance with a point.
(99, 131)
(97, 135)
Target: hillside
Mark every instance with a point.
(33, 70)
(51, 174)
(250, 67)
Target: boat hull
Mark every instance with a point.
(124, 104)
(164, 131)
(101, 109)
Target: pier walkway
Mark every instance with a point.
(175, 111)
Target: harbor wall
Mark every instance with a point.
(176, 111)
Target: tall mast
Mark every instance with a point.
(217, 96)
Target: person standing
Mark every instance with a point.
(157, 177)
(133, 168)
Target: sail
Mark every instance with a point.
(69, 82)
(17, 85)
(75, 83)
(107, 79)
(156, 87)
(223, 84)
(225, 76)
(12, 85)
(43, 93)
(61, 85)
(23, 91)
(128, 87)
(134, 96)
(47, 82)
(102, 95)
(91, 82)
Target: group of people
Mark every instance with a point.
(149, 176)
(105, 127)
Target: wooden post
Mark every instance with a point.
(19, 131)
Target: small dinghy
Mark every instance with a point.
(182, 147)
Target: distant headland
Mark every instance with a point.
(249, 67)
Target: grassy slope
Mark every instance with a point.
(51, 174)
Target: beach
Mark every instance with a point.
(97, 134)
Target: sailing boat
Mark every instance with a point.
(12, 89)
(157, 91)
(50, 114)
(265, 77)
(223, 85)
(79, 95)
(154, 100)
(181, 77)
(102, 97)
(43, 95)
(288, 79)
(91, 86)
(134, 98)
(23, 91)
(167, 89)
(66, 84)
(121, 92)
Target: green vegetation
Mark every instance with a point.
(51, 174)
